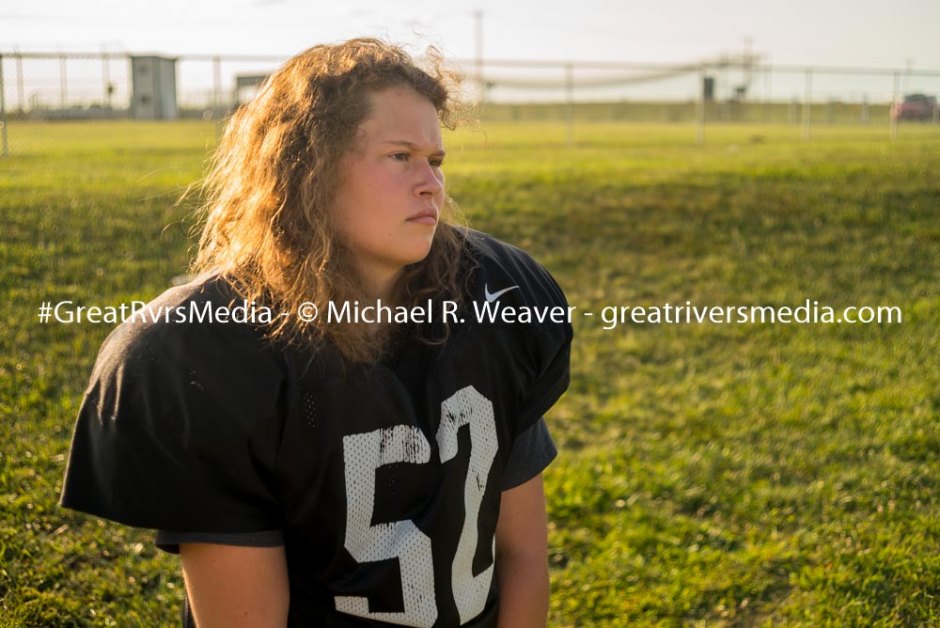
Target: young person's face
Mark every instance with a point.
(389, 202)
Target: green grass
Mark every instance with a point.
(709, 474)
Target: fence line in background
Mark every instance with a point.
(87, 86)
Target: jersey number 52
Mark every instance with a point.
(363, 454)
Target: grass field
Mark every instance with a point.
(710, 474)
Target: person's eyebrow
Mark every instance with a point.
(437, 153)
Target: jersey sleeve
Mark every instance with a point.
(541, 351)
(179, 430)
(169, 541)
(549, 351)
(531, 452)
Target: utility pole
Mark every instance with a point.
(481, 82)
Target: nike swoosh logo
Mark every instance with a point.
(492, 296)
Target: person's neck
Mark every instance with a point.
(379, 284)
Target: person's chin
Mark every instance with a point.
(419, 253)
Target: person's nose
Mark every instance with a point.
(430, 180)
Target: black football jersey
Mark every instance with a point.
(384, 478)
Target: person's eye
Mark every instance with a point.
(436, 162)
(400, 156)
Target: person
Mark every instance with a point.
(378, 463)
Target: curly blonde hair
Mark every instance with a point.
(275, 174)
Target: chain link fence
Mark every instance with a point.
(42, 88)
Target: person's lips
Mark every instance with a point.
(427, 217)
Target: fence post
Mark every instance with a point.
(21, 98)
(63, 82)
(807, 107)
(700, 113)
(216, 87)
(768, 97)
(569, 91)
(5, 150)
(894, 100)
(106, 78)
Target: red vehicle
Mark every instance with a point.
(915, 107)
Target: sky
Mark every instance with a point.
(877, 33)
(895, 34)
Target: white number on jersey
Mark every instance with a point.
(363, 454)
(468, 407)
